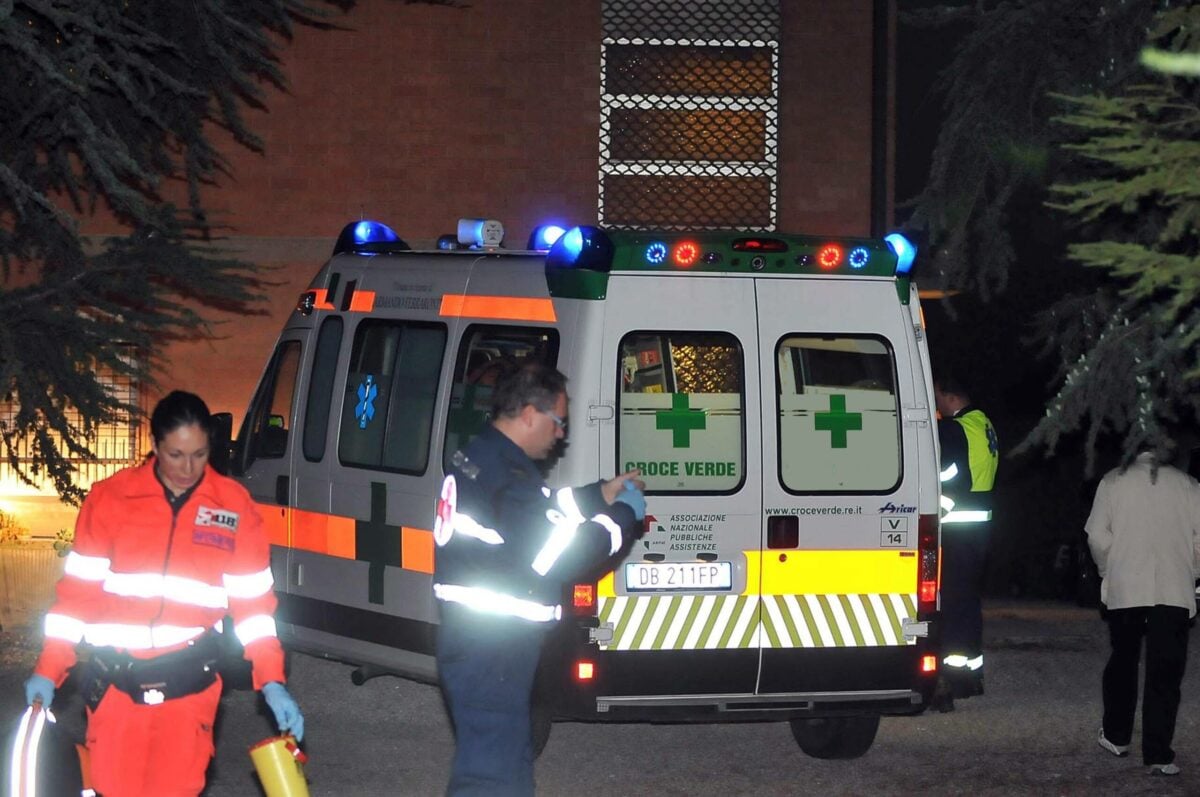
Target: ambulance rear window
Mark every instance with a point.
(681, 411)
(391, 389)
(839, 421)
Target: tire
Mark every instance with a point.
(835, 737)
(541, 720)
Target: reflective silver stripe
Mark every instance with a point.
(24, 758)
(87, 568)
(465, 524)
(138, 637)
(566, 522)
(173, 588)
(960, 662)
(259, 626)
(946, 503)
(68, 629)
(249, 586)
(614, 531)
(950, 472)
(492, 602)
(967, 516)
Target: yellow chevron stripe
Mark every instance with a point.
(723, 622)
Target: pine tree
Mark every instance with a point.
(103, 102)
(1049, 99)
(1128, 350)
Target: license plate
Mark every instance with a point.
(660, 576)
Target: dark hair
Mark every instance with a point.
(949, 383)
(179, 408)
(535, 383)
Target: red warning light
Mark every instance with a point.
(830, 256)
(585, 670)
(929, 664)
(685, 253)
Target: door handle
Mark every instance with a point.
(281, 490)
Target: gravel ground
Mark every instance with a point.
(1033, 733)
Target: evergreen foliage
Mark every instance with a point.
(1114, 147)
(102, 104)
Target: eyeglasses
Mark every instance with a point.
(559, 422)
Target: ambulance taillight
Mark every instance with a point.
(585, 670)
(929, 663)
(927, 564)
(583, 600)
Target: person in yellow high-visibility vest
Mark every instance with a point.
(969, 459)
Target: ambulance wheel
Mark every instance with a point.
(541, 720)
(835, 737)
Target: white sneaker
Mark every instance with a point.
(1119, 750)
(1164, 769)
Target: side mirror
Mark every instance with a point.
(219, 442)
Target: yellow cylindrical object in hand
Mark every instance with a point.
(279, 763)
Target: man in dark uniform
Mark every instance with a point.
(970, 455)
(507, 547)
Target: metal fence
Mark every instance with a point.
(28, 574)
(115, 445)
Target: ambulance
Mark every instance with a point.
(773, 389)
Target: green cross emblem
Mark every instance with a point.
(681, 420)
(837, 421)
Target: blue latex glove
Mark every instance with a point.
(287, 713)
(632, 497)
(39, 686)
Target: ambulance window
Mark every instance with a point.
(839, 420)
(273, 413)
(681, 413)
(391, 389)
(487, 352)
(320, 389)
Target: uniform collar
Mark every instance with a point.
(507, 448)
(146, 482)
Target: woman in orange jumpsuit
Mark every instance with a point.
(163, 551)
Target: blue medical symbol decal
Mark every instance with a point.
(364, 410)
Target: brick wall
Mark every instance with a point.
(417, 115)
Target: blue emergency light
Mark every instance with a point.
(905, 253)
(367, 237)
(582, 247)
(544, 236)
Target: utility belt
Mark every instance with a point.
(151, 681)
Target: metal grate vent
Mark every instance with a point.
(689, 119)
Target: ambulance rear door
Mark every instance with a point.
(840, 475)
(681, 369)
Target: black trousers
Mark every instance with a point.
(1165, 629)
(964, 552)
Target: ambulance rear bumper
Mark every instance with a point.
(882, 701)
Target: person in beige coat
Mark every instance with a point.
(1144, 534)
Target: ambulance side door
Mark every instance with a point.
(679, 366)
(267, 444)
